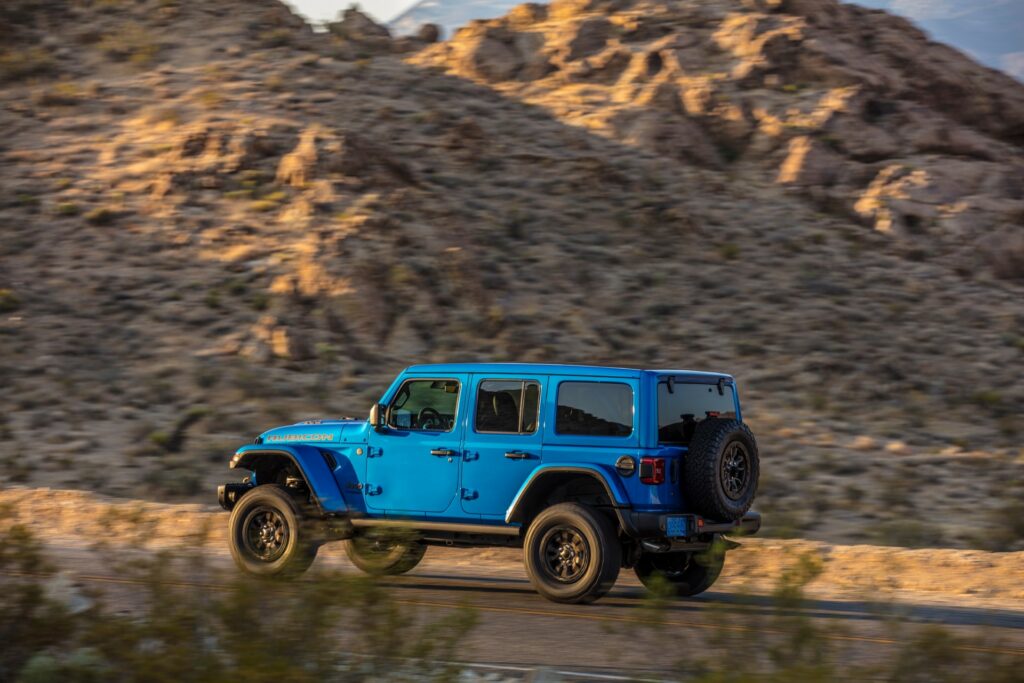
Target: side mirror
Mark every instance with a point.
(378, 416)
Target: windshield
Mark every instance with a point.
(688, 404)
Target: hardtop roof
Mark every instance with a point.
(553, 369)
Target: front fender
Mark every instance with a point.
(309, 461)
(613, 487)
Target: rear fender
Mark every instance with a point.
(307, 459)
(541, 479)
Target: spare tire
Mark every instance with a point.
(721, 469)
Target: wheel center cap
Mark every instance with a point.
(566, 553)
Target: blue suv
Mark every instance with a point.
(588, 469)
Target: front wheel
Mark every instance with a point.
(572, 553)
(686, 574)
(267, 536)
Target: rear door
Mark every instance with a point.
(503, 441)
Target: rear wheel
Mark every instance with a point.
(572, 553)
(268, 534)
(383, 554)
(687, 574)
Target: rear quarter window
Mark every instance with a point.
(594, 409)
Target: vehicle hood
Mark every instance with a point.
(317, 431)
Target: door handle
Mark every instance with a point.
(517, 455)
(442, 452)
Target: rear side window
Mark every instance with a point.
(594, 409)
(425, 404)
(507, 406)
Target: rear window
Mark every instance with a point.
(507, 406)
(594, 409)
(688, 404)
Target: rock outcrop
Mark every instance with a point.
(855, 109)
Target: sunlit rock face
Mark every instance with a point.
(855, 109)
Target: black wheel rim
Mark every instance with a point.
(566, 554)
(265, 534)
(376, 547)
(735, 470)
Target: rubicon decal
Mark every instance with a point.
(325, 436)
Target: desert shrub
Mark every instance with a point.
(18, 64)
(131, 43)
(63, 94)
(101, 215)
(278, 37)
(909, 533)
(1007, 528)
(210, 98)
(9, 301)
(238, 628)
(729, 251)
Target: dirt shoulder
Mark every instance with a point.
(849, 572)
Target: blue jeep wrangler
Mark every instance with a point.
(588, 469)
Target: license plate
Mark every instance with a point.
(677, 526)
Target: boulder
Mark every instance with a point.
(429, 33)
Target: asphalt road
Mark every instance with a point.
(518, 631)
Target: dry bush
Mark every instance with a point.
(18, 64)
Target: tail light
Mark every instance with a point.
(652, 470)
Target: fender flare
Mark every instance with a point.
(309, 461)
(616, 492)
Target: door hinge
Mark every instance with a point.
(374, 452)
(370, 490)
(471, 455)
(468, 494)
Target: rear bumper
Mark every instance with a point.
(686, 526)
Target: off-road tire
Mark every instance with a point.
(686, 574)
(294, 547)
(582, 529)
(708, 487)
(395, 558)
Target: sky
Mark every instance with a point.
(322, 10)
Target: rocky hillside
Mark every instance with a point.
(215, 220)
(853, 108)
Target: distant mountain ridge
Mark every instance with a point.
(448, 14)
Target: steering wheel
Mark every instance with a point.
(430, 419)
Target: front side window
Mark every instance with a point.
(507, 406)
(681, 409)
(594, 409)
(425, 404)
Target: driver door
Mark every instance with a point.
(413, 464)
